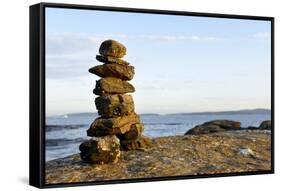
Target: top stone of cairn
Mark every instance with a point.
(112, 48)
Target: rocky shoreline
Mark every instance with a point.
(219, 152)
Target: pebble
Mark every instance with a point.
(246, 151)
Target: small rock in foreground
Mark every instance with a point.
(100, 150)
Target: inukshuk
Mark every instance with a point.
(118, 126)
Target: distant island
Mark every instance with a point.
(236, 112)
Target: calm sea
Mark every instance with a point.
(65, 133)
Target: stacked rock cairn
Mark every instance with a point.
(118, 127)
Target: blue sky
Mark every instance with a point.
(182, 64)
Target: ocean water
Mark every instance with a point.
(65, 133)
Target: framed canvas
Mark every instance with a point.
(128, 95)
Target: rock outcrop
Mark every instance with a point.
(265, 125)
(214, 126)
(215, 153)
(118, 126)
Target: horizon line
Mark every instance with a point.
(180, 112)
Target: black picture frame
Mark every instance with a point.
(37, 92)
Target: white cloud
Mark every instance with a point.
(262, 35)
(66, 43)
(64, 52)
(69, 44)
(168, 38)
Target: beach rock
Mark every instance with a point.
(265, 125)
(114, 105)
(214, 126)
(112, 48)
(246, 152)
(218, 153)
(226, 124)
(201, 129)
(134, 132)
(109, 86)
(252, 128)
(138, 144)
(110, 59)
(124, 72)
(112, 126)
(100, 150)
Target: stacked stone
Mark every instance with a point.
(118, 125)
